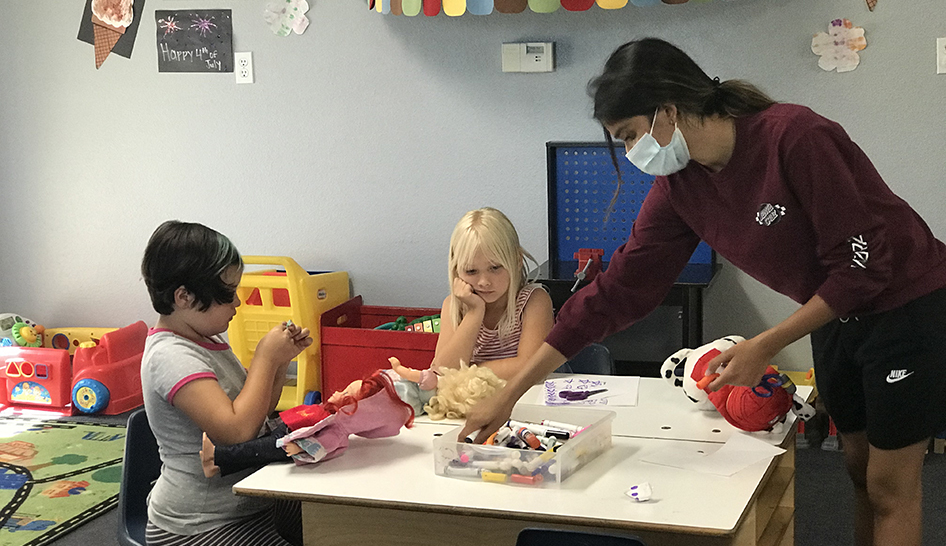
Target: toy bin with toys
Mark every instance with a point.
(590, 436)
(272, 296)
(353, 346)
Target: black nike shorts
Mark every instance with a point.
(886, 373)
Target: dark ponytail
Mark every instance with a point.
(642, 75)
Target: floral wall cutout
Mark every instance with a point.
(839, 46)
(285, 16)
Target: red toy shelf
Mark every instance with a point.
(352, 348)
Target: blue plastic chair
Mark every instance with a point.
(141, 467)
(593, 359)
(558, 537)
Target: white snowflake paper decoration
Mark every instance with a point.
(839, 46)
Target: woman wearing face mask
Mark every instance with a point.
(786, 196)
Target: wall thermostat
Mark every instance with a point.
(528, 57)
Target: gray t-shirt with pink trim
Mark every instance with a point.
(183, 501)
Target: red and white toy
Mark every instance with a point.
(746, 408)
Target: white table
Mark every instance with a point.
(663, 411)
(385, 491)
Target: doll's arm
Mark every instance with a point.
(255, 453)
(409, 374)
(426, 379)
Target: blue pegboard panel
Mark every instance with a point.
(581, 182)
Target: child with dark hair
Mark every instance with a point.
(194, 384)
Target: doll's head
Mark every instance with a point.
(346, 401)
(459, 389)
(490, 232)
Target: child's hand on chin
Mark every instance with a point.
(467, 296)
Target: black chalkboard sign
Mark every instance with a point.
(194, 40)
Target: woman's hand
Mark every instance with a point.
(743, 364)
(487, 416)
(467, 296)
(283, 343)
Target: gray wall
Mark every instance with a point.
(366, 138)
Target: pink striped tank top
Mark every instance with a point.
(489, 346)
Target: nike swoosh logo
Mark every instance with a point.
(895, 379)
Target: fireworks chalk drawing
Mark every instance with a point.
(169, 25)
(194, 41)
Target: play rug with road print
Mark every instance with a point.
(55, 475)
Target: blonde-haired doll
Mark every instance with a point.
(444, 393)
(493, 316)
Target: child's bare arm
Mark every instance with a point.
(229, 422)
(537, 321)
(456, 343)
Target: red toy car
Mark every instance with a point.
(106, 377)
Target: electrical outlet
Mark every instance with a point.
(941, 55)
(243, 67)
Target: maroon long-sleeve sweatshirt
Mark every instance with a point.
(799, 207)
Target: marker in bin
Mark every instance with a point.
(561, 426)
(466, 472)
(528, 438)
(540, 429)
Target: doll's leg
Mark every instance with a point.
(255, 453)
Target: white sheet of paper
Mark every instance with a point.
(617, 391)
(739, 452)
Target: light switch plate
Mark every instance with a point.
(941, 55)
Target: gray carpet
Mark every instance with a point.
(823, 504)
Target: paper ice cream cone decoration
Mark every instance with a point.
(871, 4)
(106, 36)
(110, 18)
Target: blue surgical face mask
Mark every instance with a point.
(652, 158)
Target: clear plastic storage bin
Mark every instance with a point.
(528, 467)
